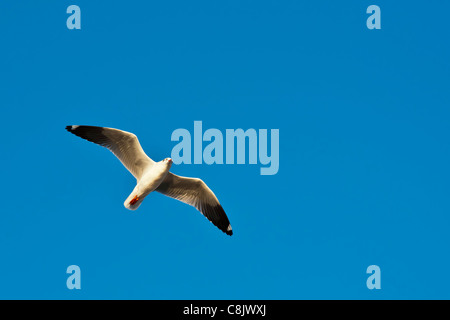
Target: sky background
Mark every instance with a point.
(364, 126)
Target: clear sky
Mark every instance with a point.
(364, 126)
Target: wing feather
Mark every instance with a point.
(196, 193)
(124, 145)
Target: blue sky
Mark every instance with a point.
(364, 152)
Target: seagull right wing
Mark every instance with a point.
(196, 193)
(124, 145)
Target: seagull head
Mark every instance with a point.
(168, 162)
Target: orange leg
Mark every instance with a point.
(134, 200)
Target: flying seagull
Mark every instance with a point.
(151, 175)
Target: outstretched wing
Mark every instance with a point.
(124, 145)
(196, 193)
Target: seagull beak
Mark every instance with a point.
(170, 161)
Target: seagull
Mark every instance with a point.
(155, 176)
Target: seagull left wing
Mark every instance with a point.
(124, 145)
(196, 193)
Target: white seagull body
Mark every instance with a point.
(151, 175)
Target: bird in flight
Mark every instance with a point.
(155, 176)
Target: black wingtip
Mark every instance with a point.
(69, 128)
(229, 231)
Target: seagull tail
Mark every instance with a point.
(133, 201)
